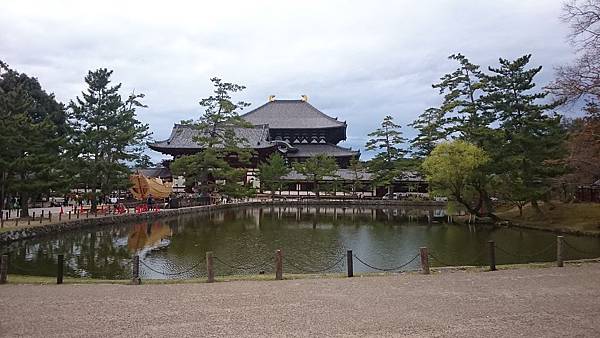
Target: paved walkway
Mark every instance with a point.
(548, 302)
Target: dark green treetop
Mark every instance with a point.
(386, 166)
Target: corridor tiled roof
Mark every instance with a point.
(309, 150)
(182, 137)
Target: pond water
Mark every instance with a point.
(311, 239)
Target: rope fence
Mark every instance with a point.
(300, 263)
(397, 268)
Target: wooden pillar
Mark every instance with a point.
(424, 260)
(60, 269)
(560, 241)
(3, 268)
(69, 215)
(135, 279)
(492, 248)
(350, 263)
(210, 267)
(278, 265)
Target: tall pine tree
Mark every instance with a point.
(221, 146)
(33, 136)
(387, 165)
(108, 136)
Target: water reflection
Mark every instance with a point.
(310, 237)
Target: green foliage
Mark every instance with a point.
(387, 164)
(33, 136)
(107, 135)
(452, 168)
(221, 146)
(271, 172)
(533, 141)
(358, 170)
(316, 168)
(499, 112)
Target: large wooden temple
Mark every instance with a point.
(294, 128)
(298, 131)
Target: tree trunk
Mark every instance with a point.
(520, 210)
(317, 189)
(536, 207)
(24, 204)
(390, 189)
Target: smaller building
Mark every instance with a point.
(588, 193)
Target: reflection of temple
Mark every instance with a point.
(295, 129)
(145, 235)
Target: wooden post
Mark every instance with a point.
(560, 241)
(492, 247)
(77, 213)
(210, 267)
(135, 279)
(49, 216)
(1, 220)
(16, 222)
(60, 216)
(69, 215)
(42, 213)
(278, 265)
(87, 214)
(424, 260)
(33, 217)
(28, 219)
(350, 263)
(60, 267)
(3, 268)
(42, 217)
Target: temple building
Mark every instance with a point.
(294, 128)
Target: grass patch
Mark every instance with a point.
(44, 280)
(574, 216)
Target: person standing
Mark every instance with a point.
(150, 202)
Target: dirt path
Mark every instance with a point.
(547, 302)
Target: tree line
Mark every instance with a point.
(48, 146)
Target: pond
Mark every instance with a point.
(311, 238)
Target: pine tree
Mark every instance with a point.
(271, 172)
(222, 147)
(430, 125)
(316, 168)
(387, 165)
(108, 135)
(33, 133)
(532, 138)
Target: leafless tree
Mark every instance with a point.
(581, 80)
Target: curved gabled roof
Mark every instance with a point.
(291, 114)
(182, 137)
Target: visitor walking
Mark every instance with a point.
(150, 202)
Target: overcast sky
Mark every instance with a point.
(356, 60)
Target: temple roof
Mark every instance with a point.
(310, 150)
(291, 114)
(182, 137)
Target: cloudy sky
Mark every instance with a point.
(356, 60)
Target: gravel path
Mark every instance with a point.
(548, 302)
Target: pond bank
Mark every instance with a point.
(28, 279)
(34, 231)
(580, 219)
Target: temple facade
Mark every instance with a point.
(294, 128)
(298, 131)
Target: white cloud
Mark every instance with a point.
(357, 60)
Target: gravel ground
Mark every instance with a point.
(548, 302)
